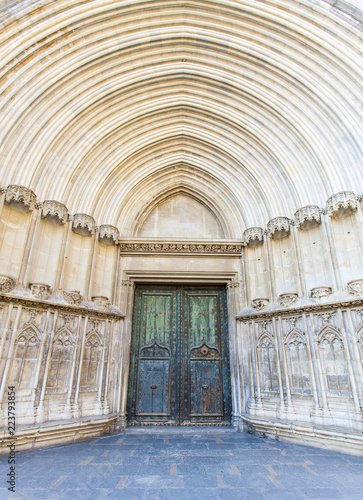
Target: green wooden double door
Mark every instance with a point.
(179, 369)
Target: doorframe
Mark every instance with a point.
(133, 277)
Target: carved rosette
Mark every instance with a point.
(320, 292)
(355, 287)
(253, 236)
(288, 299)
(108, 234)
(73, 297)
(6, 284)
(40, 290)
(179, 248)
(278, 228)
(56, 210)
(20, 195)
(100, 301)
(83, 224)
(307, 217)
(341, 204)
(259, 304)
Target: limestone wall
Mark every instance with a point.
(295, 308)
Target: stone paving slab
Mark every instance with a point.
(178, 463)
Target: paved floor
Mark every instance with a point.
(203, 464)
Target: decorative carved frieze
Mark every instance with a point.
(55, 210)
(307, 217)
(73, 297)
(6, 284)
(83, 224)
(108, 234)
(40, 291)
(180, 248)
(278, 228)
(100, 301)
(259, 304)
(20, 197)
(355, 287)
(341, 204)
(253, 236)
(288, 299)
(320, 292)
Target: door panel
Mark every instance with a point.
(179, 371)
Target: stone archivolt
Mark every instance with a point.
(117, 126)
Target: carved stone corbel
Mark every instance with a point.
(278, 228)
(40, 290)
(83, 224)
(108, 234)
(253, 236)
(320, 292)
(73, 297)
(355, 287)
(20, 198)
(288, 299)
(100, 301)
(259, 304)
(55, 211)
(307, 217)
(6, 284)
(341, 204)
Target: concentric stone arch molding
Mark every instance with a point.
(73, 120)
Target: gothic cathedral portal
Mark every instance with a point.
(179, 370)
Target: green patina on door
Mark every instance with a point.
(179, 370)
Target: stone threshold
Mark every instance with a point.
(179, 429)
(325, 437)
(57, 432)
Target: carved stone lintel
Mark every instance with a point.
(54, 210)
(288, 299)
(40, 291)
(73, 297)
(20, 198)
(341, 204)
(6, 284)
(355, 287)
(108, 234)
(320, 292)
(253, 236)
(307, 217)
(83, 224)
(205, 248)
(278, 228)
(259, 304)
(101, 301)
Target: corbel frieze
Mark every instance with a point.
(307, 217)
(341, 204)
(278, 228)
(253, 236)
(20, 195)
(108, 234)
(83, 224)
(6, 284)
(70, 308)
(56, 210)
